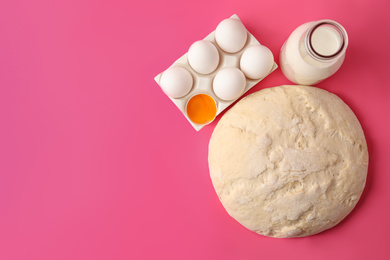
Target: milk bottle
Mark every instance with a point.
(313, 52)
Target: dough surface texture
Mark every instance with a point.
(289, 161)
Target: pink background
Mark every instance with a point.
(97, 163)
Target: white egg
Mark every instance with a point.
(256, 62)
(229, 83)
(203, 57)
(231, 35)
(176, 82)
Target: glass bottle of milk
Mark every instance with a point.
(313, 52)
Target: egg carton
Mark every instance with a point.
(203, 84)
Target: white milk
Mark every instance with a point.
(313, 52)
(326, 40)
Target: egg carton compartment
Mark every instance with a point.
(203, 83)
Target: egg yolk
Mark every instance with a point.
(201, 109)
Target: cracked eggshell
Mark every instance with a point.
(289, 161)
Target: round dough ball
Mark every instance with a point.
(256, 61)
(289, 161)
(203, 57)
(231, 35)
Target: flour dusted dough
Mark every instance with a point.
(289, 161)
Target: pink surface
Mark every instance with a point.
(97, 163)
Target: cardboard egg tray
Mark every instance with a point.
(203, 84)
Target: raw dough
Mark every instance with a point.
(289, 161)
